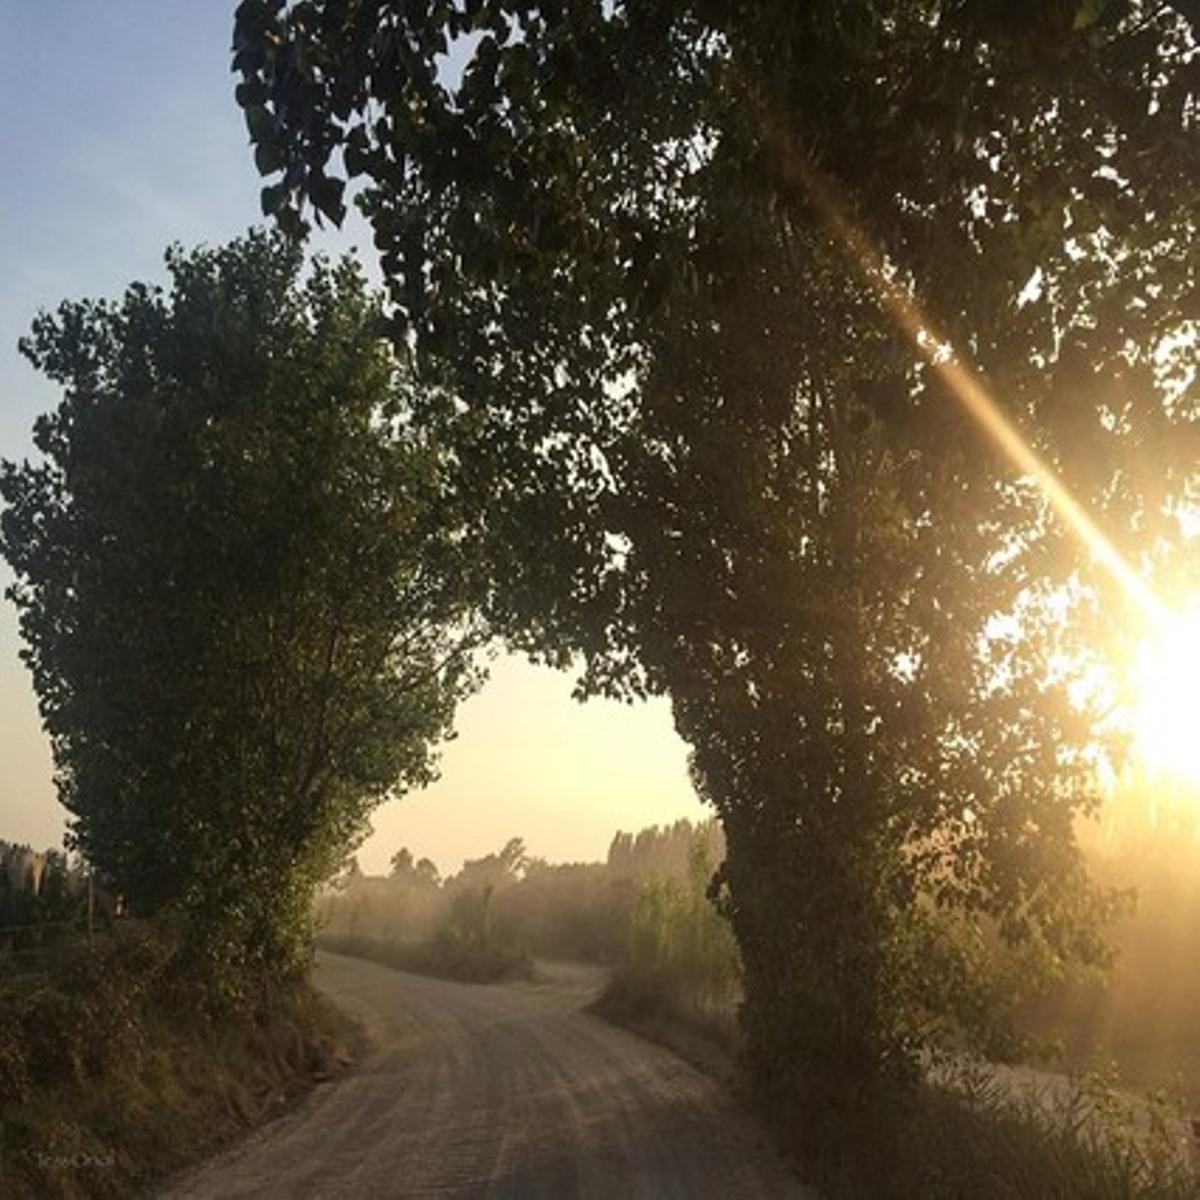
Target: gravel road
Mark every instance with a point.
(506, 1092)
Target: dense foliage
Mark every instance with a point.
(235, 583)
(698, 448)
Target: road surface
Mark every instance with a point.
(506, 1092)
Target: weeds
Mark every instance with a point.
(971, 1131)
(974, 1135)
(112, 1073)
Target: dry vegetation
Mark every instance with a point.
(111, 1076)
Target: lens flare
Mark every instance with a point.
(1166, 675)
(964, 384)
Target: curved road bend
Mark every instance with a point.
(505, 1092)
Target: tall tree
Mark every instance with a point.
(657, 249)
(236, 585)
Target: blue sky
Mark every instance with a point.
(119, 136)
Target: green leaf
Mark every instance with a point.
(326, 195)
(260, 123)
(269, 158)
(273, 198)
(251, 93)
(355, 152)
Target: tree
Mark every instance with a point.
(474, 889)
(658, 249)
(668, 852)
(236, 586)
(499, 869)
(422, 873)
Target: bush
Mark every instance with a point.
(681, 960)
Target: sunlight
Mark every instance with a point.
(1166, 672)
(1166, 736)
(963, 384)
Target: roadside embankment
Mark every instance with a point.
(113, 1074)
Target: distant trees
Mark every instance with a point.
(38, 887)
(423, 872)
(505, 866)
(647, 903)
(655, 249)
(237, 585)
(681, 956)
(668, 851)
(473, 890)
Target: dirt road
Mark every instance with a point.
(509, 1092)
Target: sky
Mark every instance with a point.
(121, 136)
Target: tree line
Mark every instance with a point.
(644, 913)
(520, 902)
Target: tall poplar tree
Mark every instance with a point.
(237, 587)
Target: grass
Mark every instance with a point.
(650, 1005)
(979, 1140)
(443, 956)
(112, 1077)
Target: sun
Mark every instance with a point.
(1166, 712)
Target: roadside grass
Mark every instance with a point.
(972, 1137)
(444, 956)
(988, 1144)
(649, 1003)
(112, 1076)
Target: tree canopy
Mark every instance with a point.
(236, 585)
(656, 250)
